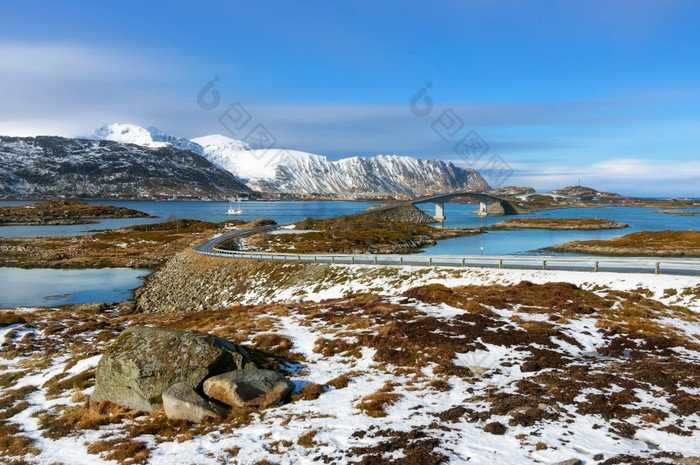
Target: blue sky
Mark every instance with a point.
(606, 91)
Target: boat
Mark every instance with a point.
(235, 210)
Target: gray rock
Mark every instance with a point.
(181, 402)
(248, 388)
(405, 213)
(570, 462)
(144, 361)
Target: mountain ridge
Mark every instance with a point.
(297, 172)
(50, 166)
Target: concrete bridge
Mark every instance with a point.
(441, 199)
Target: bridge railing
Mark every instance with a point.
(587, 263)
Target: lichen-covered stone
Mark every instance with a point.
(144, 361)
(182, 402)
(248, 388)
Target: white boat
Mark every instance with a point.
(235, 210)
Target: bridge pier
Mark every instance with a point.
(483, 209)
(439, 212)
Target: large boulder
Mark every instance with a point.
(255, 387)
(143, 362)
(182, 402)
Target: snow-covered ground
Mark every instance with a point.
(475, 369)
(389, 280)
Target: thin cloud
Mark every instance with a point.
(55, 88)
(63, 61)
(624, 175)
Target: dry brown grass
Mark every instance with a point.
(352, 234)
(309, 392)
(233, 451)
(63, 212)
(273, 343)
(408, 339)
(147, 246)
(8, 318)
(237, 324)
(558, 223)
(375, 404)
(436, 294)
(655, 243)
(342, 381)
(157, 424)
(637, 317)
(10, 396)
(124, 451)
(307, 439)
(242, 416)
(439, 385)
(331, 347)
(14, 444)
(68, 420)
(9, 378)
(56, 385)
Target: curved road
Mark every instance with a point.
(664, 265)
(207, 247)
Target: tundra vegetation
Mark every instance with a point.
(582, 224)
(648, 243)
(428, 374)
(350, 234)
(139, 246)
(63, 212)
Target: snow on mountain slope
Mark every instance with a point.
(291, 171)
(235, 156)
(305, 173)
(43, 167)
(150, 137)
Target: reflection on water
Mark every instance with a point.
(43, 286)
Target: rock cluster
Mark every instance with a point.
(406, 214)
(192, 376)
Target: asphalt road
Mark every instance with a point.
(661, 265)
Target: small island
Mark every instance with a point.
(145, 246)
(577, 224)
(54, 212)
(350, 234)
(678, 212)
(644, 243)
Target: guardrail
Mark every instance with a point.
(689, 266)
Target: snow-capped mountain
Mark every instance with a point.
(291, 171)
(45, 167)
(149, 137)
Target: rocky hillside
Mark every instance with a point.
(41, 167)
(295, 172)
